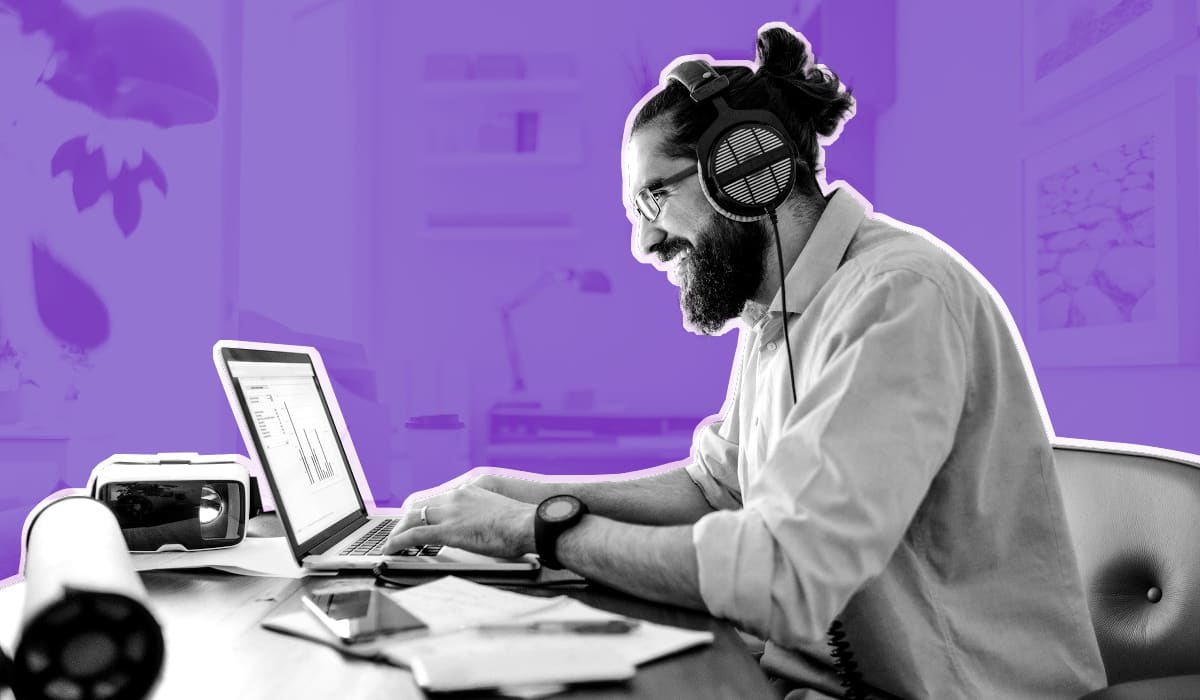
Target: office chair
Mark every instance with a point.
(1134, 514)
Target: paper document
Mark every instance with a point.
(452, 607)
(254, 556)
(522, 670)
(451, 603)
(648, 642)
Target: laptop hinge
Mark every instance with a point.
(337, 536)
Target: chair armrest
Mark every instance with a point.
(1169, 688)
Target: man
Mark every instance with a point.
(908, 489)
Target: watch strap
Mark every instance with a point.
(546, 534)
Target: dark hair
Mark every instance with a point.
(808, 100)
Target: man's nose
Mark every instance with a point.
(646, 235)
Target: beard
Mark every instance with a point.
(721, 273)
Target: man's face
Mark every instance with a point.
(716, 263)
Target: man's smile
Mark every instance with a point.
(675, 267)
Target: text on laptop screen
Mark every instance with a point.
(298, 440)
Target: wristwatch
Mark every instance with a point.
(555, 515)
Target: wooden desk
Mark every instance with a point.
(215, 648)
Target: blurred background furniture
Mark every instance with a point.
(33, 461)
(587, 281)
(584, 439)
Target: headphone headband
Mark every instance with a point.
(701, 80)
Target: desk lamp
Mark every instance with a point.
(588, 281)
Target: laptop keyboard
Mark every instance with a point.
(371, 544)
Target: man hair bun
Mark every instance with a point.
(826, 121)
(786, 60)
(781, 53)
(806, 97)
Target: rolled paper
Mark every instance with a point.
(86, 631)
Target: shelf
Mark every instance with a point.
(532, 158)
(492, 87)
(497, 233)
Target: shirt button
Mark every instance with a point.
(771, 346)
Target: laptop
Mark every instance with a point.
(285, 408)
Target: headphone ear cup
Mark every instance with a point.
(713, 194)
(747, 161)
(748, 170)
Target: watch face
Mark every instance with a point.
(559, 509)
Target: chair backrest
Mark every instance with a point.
(1134, 514)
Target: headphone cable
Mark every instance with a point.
(787, 341)
(843, 658)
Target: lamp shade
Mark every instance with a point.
(592, 281)
(136, 64)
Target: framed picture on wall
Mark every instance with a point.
(1110, 240)
(1069, 48)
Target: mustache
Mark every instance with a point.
(668, 249)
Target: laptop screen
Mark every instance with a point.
(297, 441)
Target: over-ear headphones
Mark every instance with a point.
(747, 163)
(746, 159)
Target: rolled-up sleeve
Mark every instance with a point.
(849, 468)
(714, 458)
(714, 465)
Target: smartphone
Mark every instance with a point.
(358, 616)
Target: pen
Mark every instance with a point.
(564, 627)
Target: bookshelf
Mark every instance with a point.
(513, 119)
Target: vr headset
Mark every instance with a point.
(181, 501)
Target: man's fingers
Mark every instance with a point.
(413, 537)
(408, 521)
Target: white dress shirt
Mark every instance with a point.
(910, 491)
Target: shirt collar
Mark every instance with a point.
(823, 253)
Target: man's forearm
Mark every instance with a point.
(666, 498)
(655, 563)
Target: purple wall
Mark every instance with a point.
(378, 181)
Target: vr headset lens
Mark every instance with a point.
(194, 514)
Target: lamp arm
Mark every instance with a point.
(531, 290)
(510, 343)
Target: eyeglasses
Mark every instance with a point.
(647, 201)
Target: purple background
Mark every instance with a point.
(379, 180)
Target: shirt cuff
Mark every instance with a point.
(735, 559)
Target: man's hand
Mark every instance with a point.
(518, 486)
(471, 518)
